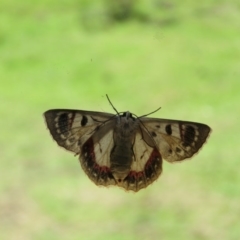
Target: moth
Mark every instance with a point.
(122, 149)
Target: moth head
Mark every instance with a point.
(128, 115)
(126, 120)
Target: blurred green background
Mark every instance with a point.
(183, 56)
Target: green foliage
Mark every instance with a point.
(186, 60)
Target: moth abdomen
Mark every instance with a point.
(121, 160)
(121, 155)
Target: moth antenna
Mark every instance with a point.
(150, 113)
(112, 105)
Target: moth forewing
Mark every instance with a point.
(177, 140)
(71, 128)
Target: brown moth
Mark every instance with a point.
(123, 149)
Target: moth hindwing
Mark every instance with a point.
(122, 149)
